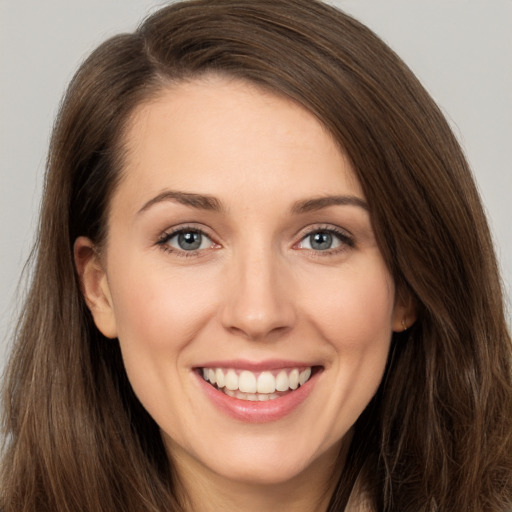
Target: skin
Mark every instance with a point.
(255, 290)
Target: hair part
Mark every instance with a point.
(438, 433)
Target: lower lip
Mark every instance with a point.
(258, 412)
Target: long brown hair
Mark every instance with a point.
(438, 434)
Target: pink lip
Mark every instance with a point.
(257, 412)
(267, 365)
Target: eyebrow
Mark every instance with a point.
(199, 201)
(210, 203)
(309, 205)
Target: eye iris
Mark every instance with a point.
(189, 241)
(321, 241)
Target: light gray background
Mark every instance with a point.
(460, 49)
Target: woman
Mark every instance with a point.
(264, 281)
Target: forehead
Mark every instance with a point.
(215, 134)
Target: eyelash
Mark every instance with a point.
(163, 241)
(346, 241)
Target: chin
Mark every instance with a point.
(264, 472)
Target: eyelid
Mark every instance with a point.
(170, 233)
(344, 237)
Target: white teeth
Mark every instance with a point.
(266, 383)
(247, 385)
(253, 397)
(294, 379)
(282, 381)
(247, 382)
(219, 377)
(231, 381)
(304, 376)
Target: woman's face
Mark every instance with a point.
(242, 277)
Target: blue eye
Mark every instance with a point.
(321, 241)
(324, 240)
(186, 240)
(189, 241)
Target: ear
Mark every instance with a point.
(94, 286)
(405, 312)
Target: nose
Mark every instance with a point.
(258, 302)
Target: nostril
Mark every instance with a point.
(259, 332)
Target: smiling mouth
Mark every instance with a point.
(257, 386)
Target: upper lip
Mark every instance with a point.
(257, 366)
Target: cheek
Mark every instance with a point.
(160, 307)
(159, 311)
(354, 316)
(357, 323)
(354, 308)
